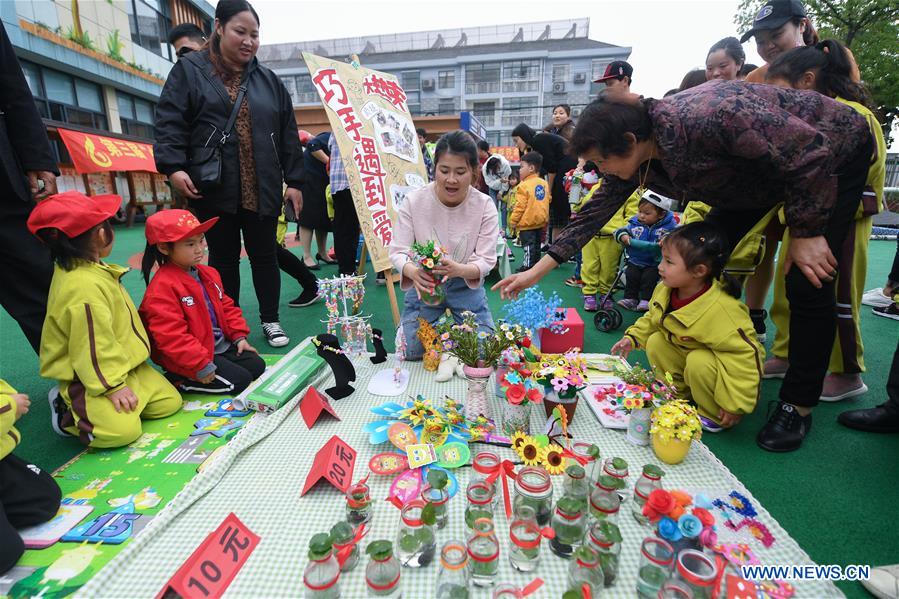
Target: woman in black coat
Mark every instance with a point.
(261, 152)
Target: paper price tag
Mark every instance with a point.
(334, 462)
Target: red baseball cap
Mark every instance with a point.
(72, 212)
(616, 69)
(174, 225)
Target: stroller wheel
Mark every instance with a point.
(617, 319)
(604, 320)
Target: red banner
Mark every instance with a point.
(510, 153)
(96, 153)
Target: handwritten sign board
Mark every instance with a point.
(334, 462)
(368, 114)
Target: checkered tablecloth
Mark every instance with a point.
(261, 473)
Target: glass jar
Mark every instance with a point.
(438, 498)
(507, 591)
(575, 483)
(617, 468)
(483, 553)
(416, 544)
(584, 569)
(650, 480)
(675, 589)
(347, 550)
(589, 453)
(533, 487)
(322, 574)
(524, 540)
(697, 571)
(605, 501)
(569, 524)
(484, 464)
(452, 579)
(605, 538)
(382, 574)
(358, 504)
(656, 559)
(480, 502)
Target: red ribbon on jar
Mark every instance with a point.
(345, 549)
(547, 533)
(580, 459)
(504, 470)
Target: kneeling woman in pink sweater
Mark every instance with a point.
(463, 221)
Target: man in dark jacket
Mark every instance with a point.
(27, 174)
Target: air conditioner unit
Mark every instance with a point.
(558, 87)
(427, 84)
(580, 77)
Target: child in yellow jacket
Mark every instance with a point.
(93, 342)
(698, 331)
(28, 495)
(531, 211)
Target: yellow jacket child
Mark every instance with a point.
(9, 436)
(531, 204)
(93, 342)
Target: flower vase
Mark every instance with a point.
(476, 403)
(670, 451)
(436, 298)
(638, 426)
(553, 399)
(516, 417)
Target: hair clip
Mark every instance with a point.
(701, 239)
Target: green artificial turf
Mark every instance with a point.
(836, 496)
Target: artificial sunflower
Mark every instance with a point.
(518, 439)
(530, 453)
(554, 461)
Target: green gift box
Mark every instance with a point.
(281, 382)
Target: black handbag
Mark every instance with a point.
(205, 168)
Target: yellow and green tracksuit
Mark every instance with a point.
(847, 356)
(748, 253)
(695, 212)
(93, 343)
(601, 255)
(9, 436)
(709, 347)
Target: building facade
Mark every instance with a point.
(504, 75)
(98, 67)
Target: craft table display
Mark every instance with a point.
(260, 474)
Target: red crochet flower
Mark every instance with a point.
(704, 516)
(515, 393)
(660, 503)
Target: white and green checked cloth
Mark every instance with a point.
(260, 474)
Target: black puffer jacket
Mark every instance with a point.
(193, 110)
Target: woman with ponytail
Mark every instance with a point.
(827, 68)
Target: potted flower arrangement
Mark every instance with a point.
(675, 425)
(637, 394)
(427, 256)
(519, 391)
(534, 311)
(682, 520)
(562, 376)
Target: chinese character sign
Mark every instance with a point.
(368, 115)
(97, 153)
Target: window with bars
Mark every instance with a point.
(150, 23)
(446, 79)
(64, 98)
(520, 110)
(300, 88)
(482, 78)
(521, 76)
(136, 115)
(561, 73)
(446, 106)
(485, 112)
(597, 70)
(410, 80)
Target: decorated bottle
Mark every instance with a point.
(589, 454)
(696, 570)
(524, 540)
(452, 579)
(480, 502)
(656, 559)
(585, 569)
(483, 553)
(617, 468)
(569, 523)
(483, 465)
(605, 500)
(322, 574)
(605, 538)
(438, 498)
(347, 551)
(575, 483)
(650, 480)
(533, 487)
(358, 504)
(416, 542)
(382, 574)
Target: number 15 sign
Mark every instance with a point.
(333, 462)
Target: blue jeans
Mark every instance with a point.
(459, 298)
(577, 269)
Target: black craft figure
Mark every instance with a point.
(377, 339)
(328, 347)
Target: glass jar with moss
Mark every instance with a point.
(416, 543)
(534, 488)
(585, 570)
(322, 574)
(650, 480)
(575, 483)
(345, 546)
(605, 538)
(525, 537)
(382, 574)
(358, 504)
(483, 553)
(480, 502)
(436, 496)
(589, 459)
(569, 524)
(617, 468)
(452, 580)
(605, 502)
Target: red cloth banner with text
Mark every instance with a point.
(97, 153)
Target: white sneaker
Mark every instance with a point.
(884, 582)
(875, 298)
(274, 334)
(57, 410)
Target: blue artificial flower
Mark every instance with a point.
(700, 500)
(669, 530)
(513, 378)
(690, 526)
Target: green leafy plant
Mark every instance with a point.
(114, 46)
(473, 346)
(83, 38)
(437, 480)
(319, 546)
(380, 550)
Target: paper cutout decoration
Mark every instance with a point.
(313, 405)
(738, 588)
(406, 486)
(420, 454)
(401, 435)
(225, 407)
(388, 463)
(146, 499)
(216, 426)
(213, 565)
(389, 382)
(334, 462)
(113, 528)
(48, 533)
(453, 455)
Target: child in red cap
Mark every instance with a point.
(197, 333)
(93, 342)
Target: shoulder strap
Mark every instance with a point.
(241, 92)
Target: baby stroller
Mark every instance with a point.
(609, 319)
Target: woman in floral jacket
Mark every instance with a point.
(742, 148)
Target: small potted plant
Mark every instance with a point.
(562, 376)
(519, 392)
(675, 425)
(637, 394)
(427, 256)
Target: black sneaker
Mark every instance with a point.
(890, 311)
(274, 334)
(381, 279)
(58, 409)
(307, 298)
(785, 429)
(758, 322)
